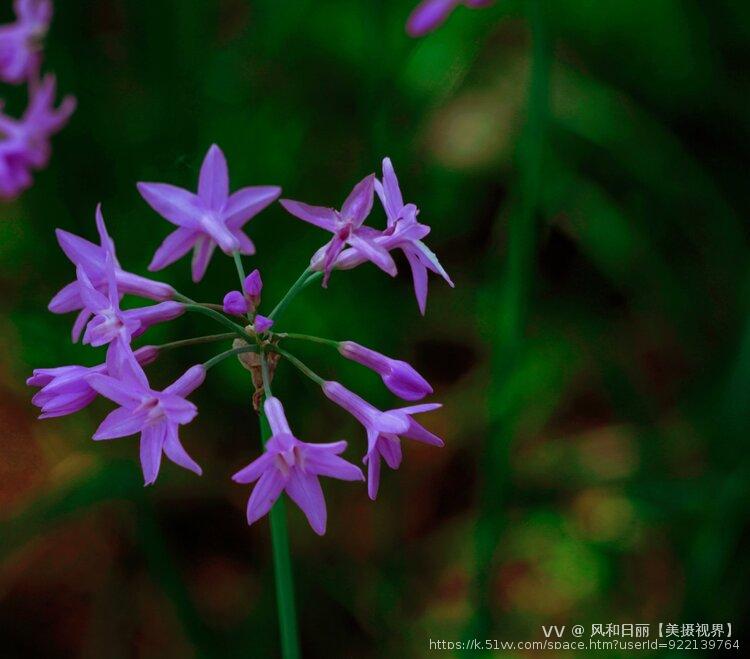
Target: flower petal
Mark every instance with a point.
(152, 443)
(322, 217)
(358, 204)
(305, 490)
(374, 252)
(175, 246)
(213, 182)
(429, 15)
(120, 423)
(255, 469)
(178, 206)
(204, 249)
(174, 450)
(116, 390)
(264, 494)
(323, 462)
(246, 203)
(419, 275)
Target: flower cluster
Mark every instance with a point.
(431, 14)
(206, 219)
(25, 141)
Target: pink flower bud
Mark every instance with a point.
(235, 303)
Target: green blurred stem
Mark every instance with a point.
(300, 366)
(511, 313)
(240, 269)
(309, 337)
(196, 341)
(227, 354)
(306, 278)
(282, 562)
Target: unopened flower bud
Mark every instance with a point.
(235, 303)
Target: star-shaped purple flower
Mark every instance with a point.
(207, 219)
(383, 430)
(431, 14)
(156, 415)
(91, 260)
(25, 142)
(20, 42)
(291, 465)
(402, 232)
(347, 228)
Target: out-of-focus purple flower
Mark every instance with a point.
(402, 232)
(235, 303)
(383, 430)
(401, 378)
(20, 42)
(261, 324)
(291, 465)
(25, 142)
(156, 415)
(253, 286)
(91, 259)
(207, 219)
(346, 227)
(431, 14)
(64, 390)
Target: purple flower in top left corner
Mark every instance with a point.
(20, 42)
(209, 218)
(25, 142)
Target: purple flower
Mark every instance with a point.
(235, 303)
(20, 42)
(291, 465)
(207, 219)
(253, 286)
(383, 430)
(65, 389)
(24, 143)
(261, 324)
(402, 232)
(156, 415)
(401, 378)
(431, 14)
(346, 227)
(91, 260)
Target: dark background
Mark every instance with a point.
(593, 362)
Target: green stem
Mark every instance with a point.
(309, 337)
(228, 353)
(297, 286)
(300, 366)
(282, 562)
(240, 269)
(220, 318)
(196, 341)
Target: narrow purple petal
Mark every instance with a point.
(246, 203)
(178, 206)
(419, 274)
(175, 246)
(66, 299)
(120, 423)
(152, 443)
(80, 251)
(391, 197)
(325, 218)
(255, 469)
(117, 391)
(174, 450)
(246, 246)
(324, 463)
(373, 252)
(213, 182)
(264, 494)
(358, 204)
(204, 249)
(304, 489)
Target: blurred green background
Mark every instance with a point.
(584, 166)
